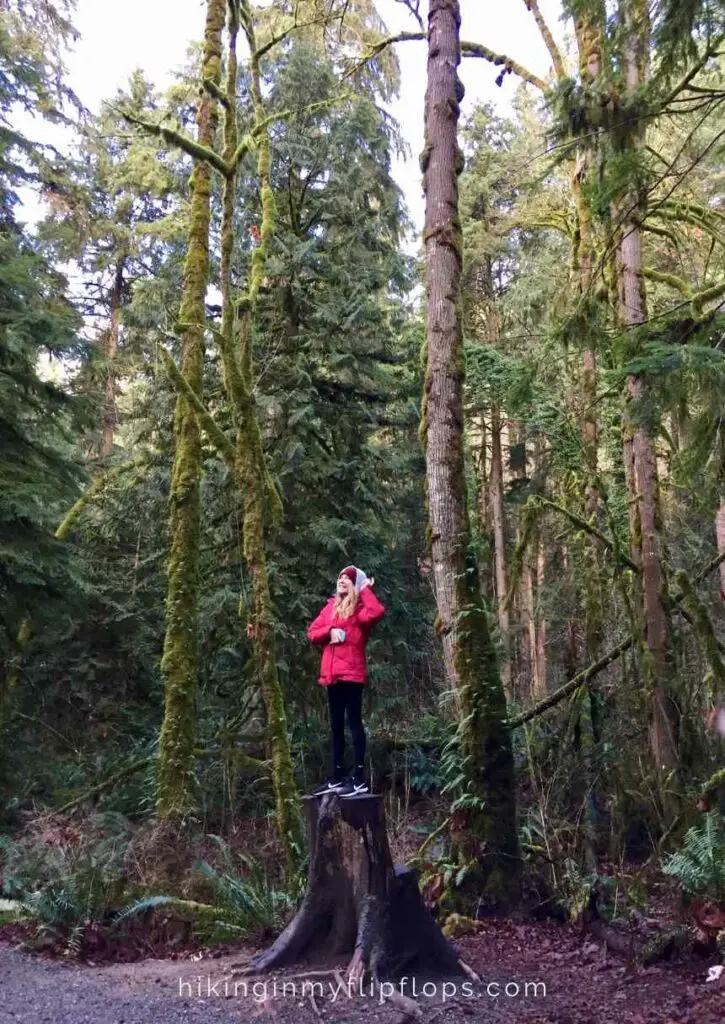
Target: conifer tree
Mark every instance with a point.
(38, 415)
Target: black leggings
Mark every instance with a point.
(341, 697)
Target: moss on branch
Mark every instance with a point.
(672, 280)
(213, 89)
(174, 138)
(545, 31)
(213, 431)
(511, 66)
(91, 492)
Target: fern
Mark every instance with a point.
(251, 902)
(140, 906)
(700, 865)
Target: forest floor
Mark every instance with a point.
(577, 984)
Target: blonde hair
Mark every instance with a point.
(345, 604)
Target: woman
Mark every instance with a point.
(342, 628)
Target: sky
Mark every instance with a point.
(154, 35)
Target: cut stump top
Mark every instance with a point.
(355, 811)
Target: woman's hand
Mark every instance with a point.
(337, 636)
(367, 582)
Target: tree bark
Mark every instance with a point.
(720, 539)
(443, 397)
(541, 687)
(179, 664)
(109, 416)
(529, 623)
(499, 541)
(640, 461)
(488, 824)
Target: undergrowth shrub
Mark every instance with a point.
(66, 876)
(81, 885)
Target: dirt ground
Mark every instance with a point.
(533, 973)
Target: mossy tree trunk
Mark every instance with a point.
(589, 25)
(486, 818)
(262, 506)
(179, 665)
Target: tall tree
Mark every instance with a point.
(179, 665)
(642, 463)
(471, 666)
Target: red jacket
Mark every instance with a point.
(346, 660)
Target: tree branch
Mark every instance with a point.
(213, 89)
(583, 524)
(554, 52)
(108, 783)
(681, 212)
(414, 7)
(261, 51)
(215, 434)
(707, 295)
(174, 138)
(244, 759)
(383, 44)
(662, 233)
(581, 679)
(709, 568)
(240, 152)
(672, 280)
(260, 129)
(95, 487)
(710, 51)
(585, 676)
(562, 225)
(696, 209)
(469, 49)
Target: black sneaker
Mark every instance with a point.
(353, 788)
(330, 786)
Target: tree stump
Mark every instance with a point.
(357, 904)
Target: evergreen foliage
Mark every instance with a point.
(38, 417)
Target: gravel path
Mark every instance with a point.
(39, 991)
(35, 991)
